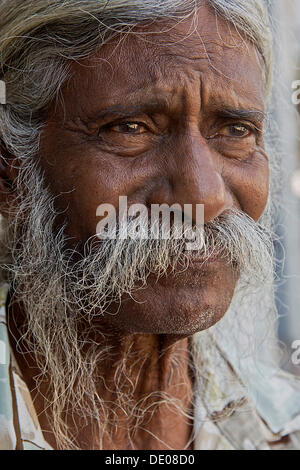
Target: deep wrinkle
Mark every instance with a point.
(186, 168)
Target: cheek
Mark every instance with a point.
(80, 186)
(93, 186)
(249, 183)
(89, 179)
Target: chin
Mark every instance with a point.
(179, 304)
(180, 312)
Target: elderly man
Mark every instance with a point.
(108, 341)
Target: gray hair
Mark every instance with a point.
(37, 44)
(38, 41)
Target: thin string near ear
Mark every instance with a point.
(2, 92)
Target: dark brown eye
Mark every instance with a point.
(128, 128)
(236, 130)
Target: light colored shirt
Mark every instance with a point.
(225, 418)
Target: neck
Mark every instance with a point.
(145, 386)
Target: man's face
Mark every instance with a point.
(170, 117)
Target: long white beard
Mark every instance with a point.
(58, 294)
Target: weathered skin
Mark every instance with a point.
(183, 152)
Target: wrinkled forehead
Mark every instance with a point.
(168, 56)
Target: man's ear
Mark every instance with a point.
(8, 174)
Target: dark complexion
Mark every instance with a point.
(174, 117)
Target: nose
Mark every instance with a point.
(194, 178)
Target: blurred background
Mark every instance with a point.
(285, 116)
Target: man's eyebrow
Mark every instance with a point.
(239, 113)
(132, 109)
(140, 105)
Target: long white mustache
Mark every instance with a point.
(114, 267)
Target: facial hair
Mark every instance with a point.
(61, 289)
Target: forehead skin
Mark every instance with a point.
(174, 63)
